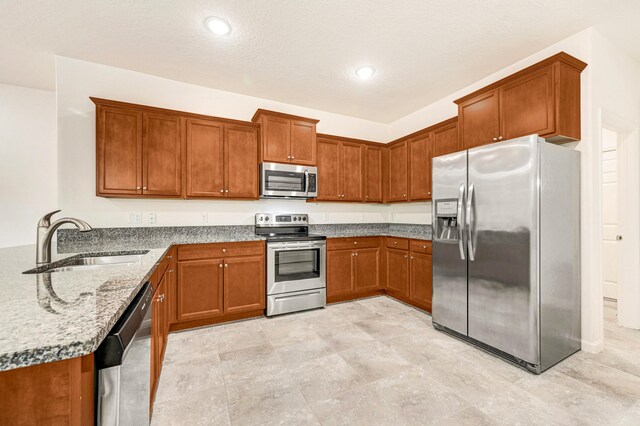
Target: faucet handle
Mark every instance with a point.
(45, 220)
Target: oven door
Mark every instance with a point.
(295, 266)
(286, 180)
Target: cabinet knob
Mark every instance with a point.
(367, 196)
(500, 138)
(220, 265)
(144, 187)
(137, 187)
(405, 256)
(226, 190)
(224, 250)
(222, 190)
(355, 242)
(424, 247)
(169, 257)
(293, 158)
(411, 257)
(226, 265)
(404, 195)
(429, 192)
(353, 254)
(395, 242)
(170, 270)
(495, 139)
(288, 157)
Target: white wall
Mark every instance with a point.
(28, 161)
(78, 80)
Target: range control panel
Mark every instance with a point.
(279, 219)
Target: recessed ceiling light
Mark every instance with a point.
(365, 71)
(217, 25)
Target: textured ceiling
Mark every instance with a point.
(301, 52)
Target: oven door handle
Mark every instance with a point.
(293, 245)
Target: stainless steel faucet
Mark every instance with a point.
(45, 233)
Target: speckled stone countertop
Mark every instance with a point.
(71, 240)
(59, 315)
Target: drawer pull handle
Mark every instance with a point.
(297, 295)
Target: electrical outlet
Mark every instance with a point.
(135, 217)
(204, 217)
(150, 218)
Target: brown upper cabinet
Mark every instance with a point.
(138, 153)
(222, 160)
(286, 138)
(398, 176)
(420, 168)
(373, 174)
(144, 151)
(445, 138)
(349, 170)
(543, 98)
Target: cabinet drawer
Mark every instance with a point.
(218, 250)
(398, 243)
(352, 242)
(421, 246)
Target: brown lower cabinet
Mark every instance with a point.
(162, 280)
(353, 267)
(216, 281)
(364, 266)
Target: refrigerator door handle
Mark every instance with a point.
(461, 221)
(470, 217)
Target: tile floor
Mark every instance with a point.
(379, 362)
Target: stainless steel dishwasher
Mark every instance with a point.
(123, 362)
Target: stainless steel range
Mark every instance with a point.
(296, 263)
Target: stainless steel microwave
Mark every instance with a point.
(288, 181)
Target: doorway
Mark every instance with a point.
(610, 235)
(619, 231)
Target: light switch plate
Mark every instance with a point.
(135, 217)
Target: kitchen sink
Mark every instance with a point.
(92, 261)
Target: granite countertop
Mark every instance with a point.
(54, 316)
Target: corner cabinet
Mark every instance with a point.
(542, 99)
(286, 138)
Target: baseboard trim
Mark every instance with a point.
(592, 347)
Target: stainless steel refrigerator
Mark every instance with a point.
(506, 249)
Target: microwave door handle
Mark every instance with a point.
(306, 181)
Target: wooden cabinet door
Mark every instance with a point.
(244, 284)
(367, 269)
(205, 159)
(351, 170)
(199, 289)
(479, 119)
(162, 155)
(372, 174)
(445, 140)
(328, 170)
(420, 168)
(527, 105)
(398, 271)
(339, 272)
(241, 162)
(163, 317)
(118, 151)
(276, 138)
(398, 176)
(420, 290)
(303, 142)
